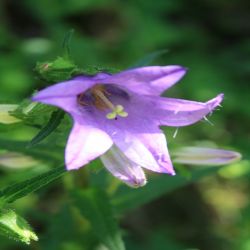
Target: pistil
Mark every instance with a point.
(117, 110)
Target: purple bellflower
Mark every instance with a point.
(117, 117)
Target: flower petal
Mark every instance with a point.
(121, 167)
(85, 143)
(64, 94)
(177, 113)
(151, 80)
(156, 143)
(130, 134)
(69, 88)
(135, 150)
(69, 104)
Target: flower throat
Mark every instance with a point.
(98, 96)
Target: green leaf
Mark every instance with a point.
(68, 227)
(52, 124)
(127, 198)
(148, 59)
(21, 189)
(94, 205)
(66, 42)
(32, 113)
(42, 152)
(15, 227)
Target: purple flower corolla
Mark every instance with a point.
(118, 116)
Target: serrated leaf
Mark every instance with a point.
(94, 205)
(148, 59)
(52, 124)
(21, 189)
(15, 227)
(127, 198)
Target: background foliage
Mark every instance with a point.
(212, 39)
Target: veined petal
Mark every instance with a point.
(121, 167)
(85, 143)
(151, 80)
(135, 150)
(157, 145)
(177, 113)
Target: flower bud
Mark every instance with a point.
(15, 227)
(16, 160)
(5, 116)
(60, 69)
(205, 156)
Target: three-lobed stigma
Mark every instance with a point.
(118, 111)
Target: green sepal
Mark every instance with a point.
(15, 227)
(93, 70)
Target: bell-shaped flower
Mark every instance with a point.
(118, 116)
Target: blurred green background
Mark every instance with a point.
(211, 38)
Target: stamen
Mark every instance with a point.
(116, 110)
(80, 100)
(105, 100)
